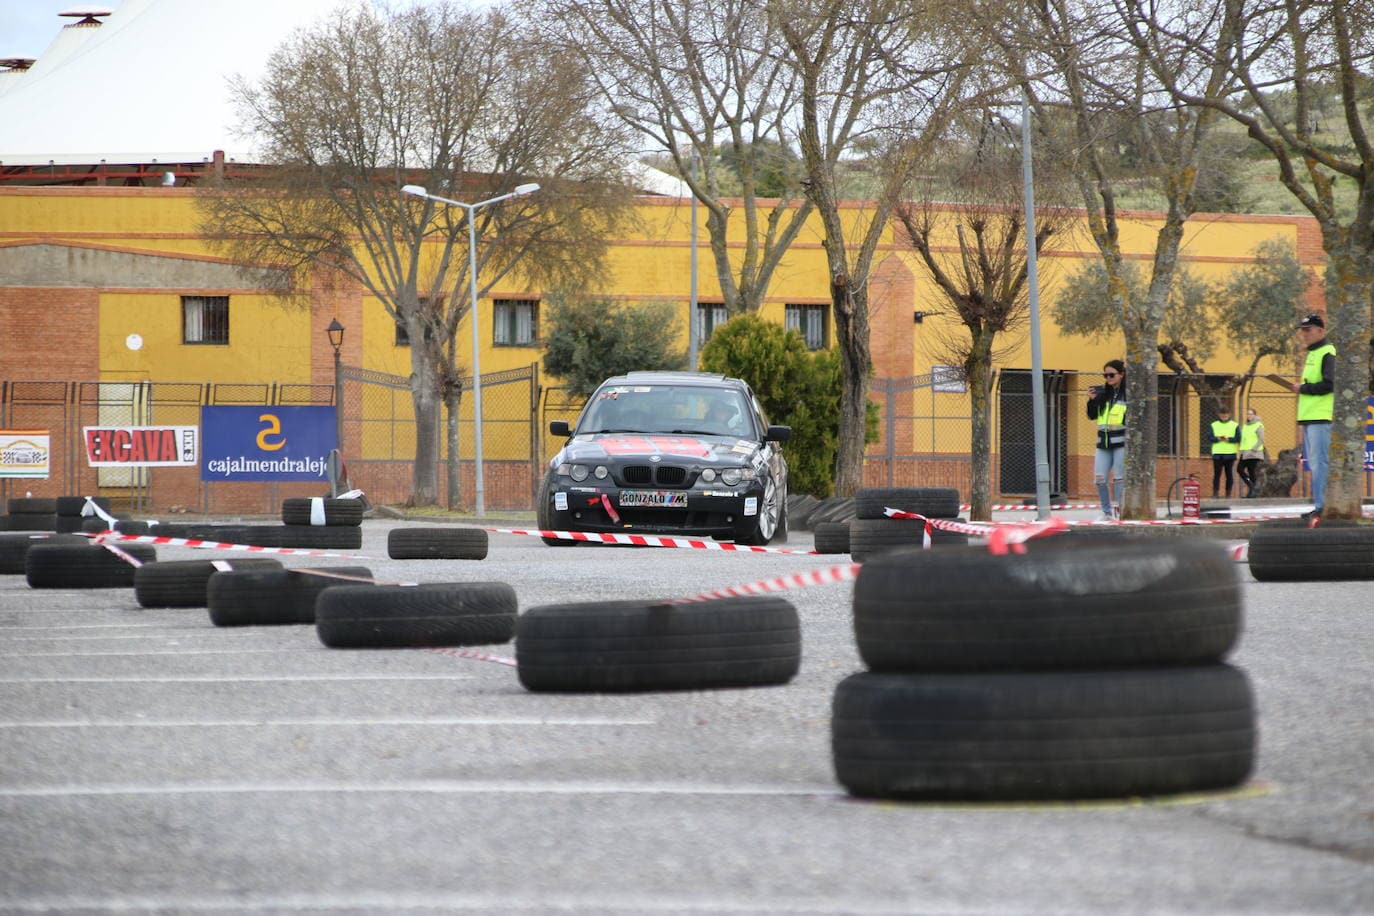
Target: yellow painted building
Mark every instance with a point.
(109, 285)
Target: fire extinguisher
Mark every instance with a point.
(1192, 497)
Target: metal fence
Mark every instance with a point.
(924, 435)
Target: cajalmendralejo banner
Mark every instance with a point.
(266, 443)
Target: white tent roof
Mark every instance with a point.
(150, 85)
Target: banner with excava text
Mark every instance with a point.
(266, 443)
(25, 453)
(141, 446)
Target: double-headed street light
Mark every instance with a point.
(479, 497)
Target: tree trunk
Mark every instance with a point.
(453, 400)
(979, 372)
(851, 331)
(1349, 289)
(424, 489)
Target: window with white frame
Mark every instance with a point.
(809, 322)
(709, 316)
(205, 319)
(515, 321)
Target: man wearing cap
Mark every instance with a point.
(1316, 402)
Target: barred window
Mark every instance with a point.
(709, 315)
(809, 322)
(205, 319)
(516, 322)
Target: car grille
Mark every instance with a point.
(663, 475)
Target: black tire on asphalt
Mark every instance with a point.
(869, 537)
(398, 616)
(298, 537)
(1104, 605)
(84, 565)
(182, 583)
(337, 512)
(637, 645)
(32, 505)
(30, 521)
(832, 537)
(95, 524)
(799, 509)
(14, 547)
(932, 502)
(437, 544)
(1334, 549)
(1015, 736)
(71, 506)
(266, 597)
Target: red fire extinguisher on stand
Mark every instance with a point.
(1192, 497)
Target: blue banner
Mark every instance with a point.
(266, 443)
(1369, 436)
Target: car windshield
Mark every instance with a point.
(674, 409)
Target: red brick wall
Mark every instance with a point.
(49, 333)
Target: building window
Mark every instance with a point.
(516, 322)
(205, 319)
(709, 316)
(809, 322)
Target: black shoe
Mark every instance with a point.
(1314, 514)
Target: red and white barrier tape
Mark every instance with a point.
(103, 538)
(1021, 507)
(645, 540)
(475, 656)
(824, 576)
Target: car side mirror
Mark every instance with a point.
(559, 428)
(778, 434)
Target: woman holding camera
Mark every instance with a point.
(1107, 406)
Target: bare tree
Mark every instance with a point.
(706, 82)
(884, 76)
(1299, 51)
(982, 277)
(350, 111)
(1076, 55)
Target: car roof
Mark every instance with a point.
(703, 379)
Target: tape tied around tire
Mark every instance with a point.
(317, 510)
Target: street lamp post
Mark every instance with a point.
(336, 335)
(479, 493)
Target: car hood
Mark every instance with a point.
(623, 447)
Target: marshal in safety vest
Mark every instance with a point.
(1315, 407)
(1111, 425)
(1224, 437)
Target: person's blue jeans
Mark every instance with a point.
(1316, 448)
(1109, 463)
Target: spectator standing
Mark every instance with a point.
(1224, 436)
(1252, 451)
(1316, 403)
(1107, 406)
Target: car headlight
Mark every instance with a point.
(708, 475)
(600, 472)
(578, 472)
(731, 476)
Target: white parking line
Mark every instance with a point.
(178, 634)
(89, 626)
(490, 902)
(430, 787)
(180, 652)
(446, 721)
(264, 679)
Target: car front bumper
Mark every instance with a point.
(726, 512)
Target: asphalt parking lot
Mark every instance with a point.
(151, 762)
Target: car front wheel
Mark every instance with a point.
(771, 508)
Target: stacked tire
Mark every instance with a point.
(1294, 550)
(69, 509)
(1091, 672)
(872, 532)
(317, 522)
(30, 513)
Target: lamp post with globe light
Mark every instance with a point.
(479, 498)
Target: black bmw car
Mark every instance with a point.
(681, 453)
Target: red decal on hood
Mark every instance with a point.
(645, 445)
